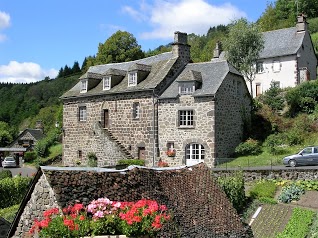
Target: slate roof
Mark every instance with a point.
(37, 134)
(281, 42)
(159, 65)
(212, 73)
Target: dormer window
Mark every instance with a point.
(132, 79)
(106, 82)
(186, 88)
(84, 86)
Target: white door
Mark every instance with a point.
(194, 154)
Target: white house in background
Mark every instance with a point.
(288, 58)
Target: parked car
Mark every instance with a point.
(9, 162)
(307, 156)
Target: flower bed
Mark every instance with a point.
(103, 217)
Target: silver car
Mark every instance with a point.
(307, 156)
(9, 162)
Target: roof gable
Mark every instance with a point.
(212, 75)
(281, 42)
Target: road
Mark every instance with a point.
(279, 167)
(25, 171)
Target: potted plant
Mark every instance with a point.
(171, 152)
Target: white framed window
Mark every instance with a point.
(84, 86)
(260, 67)
(132, 79)
(276, 66)
(186, 118)
(195, 151)
(275, 84)
(106, 82)
(82, 113)
(186, 88)
(136, 110)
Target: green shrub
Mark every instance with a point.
(12, 190)
(42, 146)
(298, 225)
(295, 137)
(290, 193)
(92, 159)
(5, 174)
(274, 142)
(29, 156)
(267, 200)
(273, 98)
(263, 189)
(131, 162)
(8, 213)
(234, 188)
(249, 147)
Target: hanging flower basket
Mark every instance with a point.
(171, 153)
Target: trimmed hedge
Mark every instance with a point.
(131, 162)
(12, 190)
(5, 174)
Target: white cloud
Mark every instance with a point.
(4, 23)
(26, 72)
(4, 20)
(191, 16)
(139, 16)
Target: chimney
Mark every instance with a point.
(301, 23)
(39, 125)
(180, 47)
(217, 51)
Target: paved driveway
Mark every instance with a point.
(25, 171)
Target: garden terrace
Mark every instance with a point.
(200, 208)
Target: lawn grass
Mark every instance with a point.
(263, 159)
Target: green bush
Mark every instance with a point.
(8, 213)
(298, 225)
(29, 156)
(295, 137)
(263, 189)
(302, 98)
(42, 146)
(290, 193)
(234, 188)
(12, 190)
(267, 200)
(249, 147)
(273, 98)
(92, 159)
(5, 174)
(274, 142)
(131, 162)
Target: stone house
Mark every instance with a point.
(121, 110)
(288, 58)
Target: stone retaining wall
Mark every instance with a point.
(288, 174)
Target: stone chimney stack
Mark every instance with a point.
(301, 23)
(217, 51)
(180, 47)
(39, 125)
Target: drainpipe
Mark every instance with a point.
(154, 102)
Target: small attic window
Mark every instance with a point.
(106, 82)
(132, 79)
(186, 88)
(84, 86)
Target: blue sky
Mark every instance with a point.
(37, 38)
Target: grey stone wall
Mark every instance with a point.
(232, 108)
(201, 133)
(288, 174)
(42, 199)
(130, 132)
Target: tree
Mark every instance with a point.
(5, 135)
(243, 45)
(76, 68)
(120, 47)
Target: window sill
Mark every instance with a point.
(186, 127)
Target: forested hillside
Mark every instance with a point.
(23, 104)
